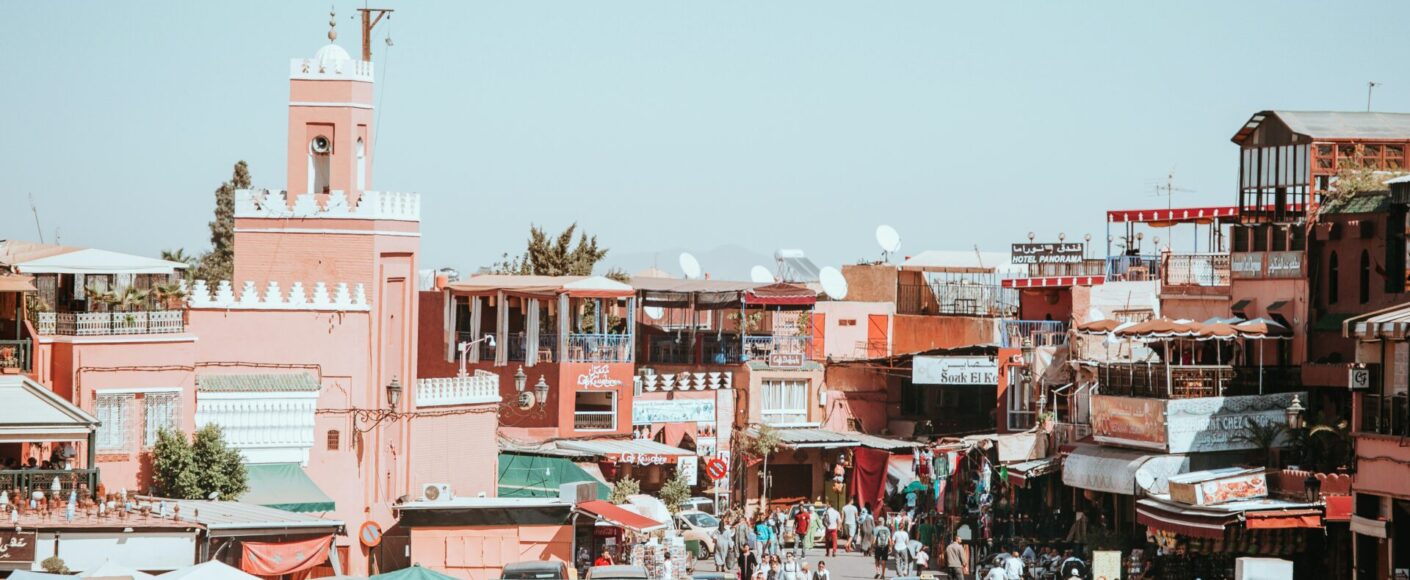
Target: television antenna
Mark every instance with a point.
(1169, 189)
(35, 208)
(761, 275)
(1370, 86)
(889, 239)
(689, 265)
(833, 283)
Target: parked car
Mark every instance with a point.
(536, 570)
(698, 526)
(616, 573)
(699, 504)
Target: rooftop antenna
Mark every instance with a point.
(35, 208)
(1168, 190)
(889, 240)
(979, 255)
(1370, 86)
(370, 18)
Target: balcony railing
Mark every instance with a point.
(1132, 268)
(1087, 267)
(1385, 415)
(1041, 332)
(1150, 380)
(670, 349)
(760, 347)
(109, 323)
(471, 389)
(547, 345)
(594, 421)
(1196, 270)
(30, 480)
(957, 299)
(14, 354)
(599, 348)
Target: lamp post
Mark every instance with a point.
(465, 345)
(1294, 414)
(519, 379)
(540, 391)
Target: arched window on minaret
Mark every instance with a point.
(361, 165)
(320, 153)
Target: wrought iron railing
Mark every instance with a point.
(1196, 270)
(594, 420)
(599, 348)
(957, 299)
(1041, 332)
(30, 480)
(15, 354)
(547, 345)
(1152, 380)
(109, 323)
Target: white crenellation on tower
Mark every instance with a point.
(273, 298)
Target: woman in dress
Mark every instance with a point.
(866, 529)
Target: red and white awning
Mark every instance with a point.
(1053, 281)
(611, 514)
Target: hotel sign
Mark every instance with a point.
(677, 411)
(954, 370)
(17, 546)
(1047, 253)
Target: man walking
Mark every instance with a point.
(801, 519)
(849, 523)
(957, 559)
(834, 522)
(747, 562)
(881, 547)
(901, 547)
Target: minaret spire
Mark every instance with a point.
(332, 23)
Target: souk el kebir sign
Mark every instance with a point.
(954, 370)
(677, 411)
(1129, 421)
(17, 546)
(1047, 253)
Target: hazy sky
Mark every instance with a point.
(679, 125)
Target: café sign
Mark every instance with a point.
(640, 459)
(598, 377)
(954, 370)
(1047, 253)
(17, 546)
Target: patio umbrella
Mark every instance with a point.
(415, 572)
(1260, 328)
(1217, 331)
(109, 569)
(1098, 327)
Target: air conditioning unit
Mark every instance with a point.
(436, 492)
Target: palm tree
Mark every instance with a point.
(131, 298)
(168, 294)
(1263, 436)
(179, 255)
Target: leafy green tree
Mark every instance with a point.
(554, 256)
(196, 469)
(675, 493)
(219, 262)
(625, 487)
(763, 443)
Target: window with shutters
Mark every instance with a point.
(114, 412)
(159, 411)
(785, 402)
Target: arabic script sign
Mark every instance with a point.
(16, 546)
(1047, 253)
(954, 370)
(677, 411)
(598, 377)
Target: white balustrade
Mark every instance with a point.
(471, 389)
(371, 205)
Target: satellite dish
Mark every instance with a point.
(888, 238)
(690, 265)
(761, 275)
(833, 283)
(654, 312)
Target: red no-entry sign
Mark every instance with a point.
(716, 469)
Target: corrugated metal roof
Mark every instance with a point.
(1369, 202)
(232, 515)
(258, 383)
(1334, 124)
(619, 446)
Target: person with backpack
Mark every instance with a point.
(881, 547)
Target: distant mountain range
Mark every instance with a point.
(728, 262)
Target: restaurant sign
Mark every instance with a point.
(1130, 421)
(17, 546)
(1212, 424)
(1246, 265)
(954, 370)
(1284, 264)
(1047, 253)
(677, 411)
(642, 459)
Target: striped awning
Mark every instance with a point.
(1188, 522)
(1391, 323)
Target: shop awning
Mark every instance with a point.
(284, 486)
(780, 295)
(16, 283)
(1020, 473)
(1195, 523)
(811, 438)
(883, 443)
(608, 513)
(1283, 519)
(31, 413)
(1113, 470)
(540, 476)
(638, 451)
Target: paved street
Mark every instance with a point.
(846, 566)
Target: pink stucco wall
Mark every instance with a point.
(1382, 466)
(478, 553)
(456, 449)
(846, 337)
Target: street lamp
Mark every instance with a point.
(519, 379)
(540, 389)
(464, 347)
(393, 393)
(1294, 414)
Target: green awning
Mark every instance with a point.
(539, 476)
(284, 486)
(415, 572)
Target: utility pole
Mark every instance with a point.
(370, 18)
(1370, 86)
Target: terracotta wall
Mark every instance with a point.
(918, 333)
(857, 391)
(871, 282)
(847, 332)
(480, 552)
(1045, 304)
(1382, 466)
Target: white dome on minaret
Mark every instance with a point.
(330, 56)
